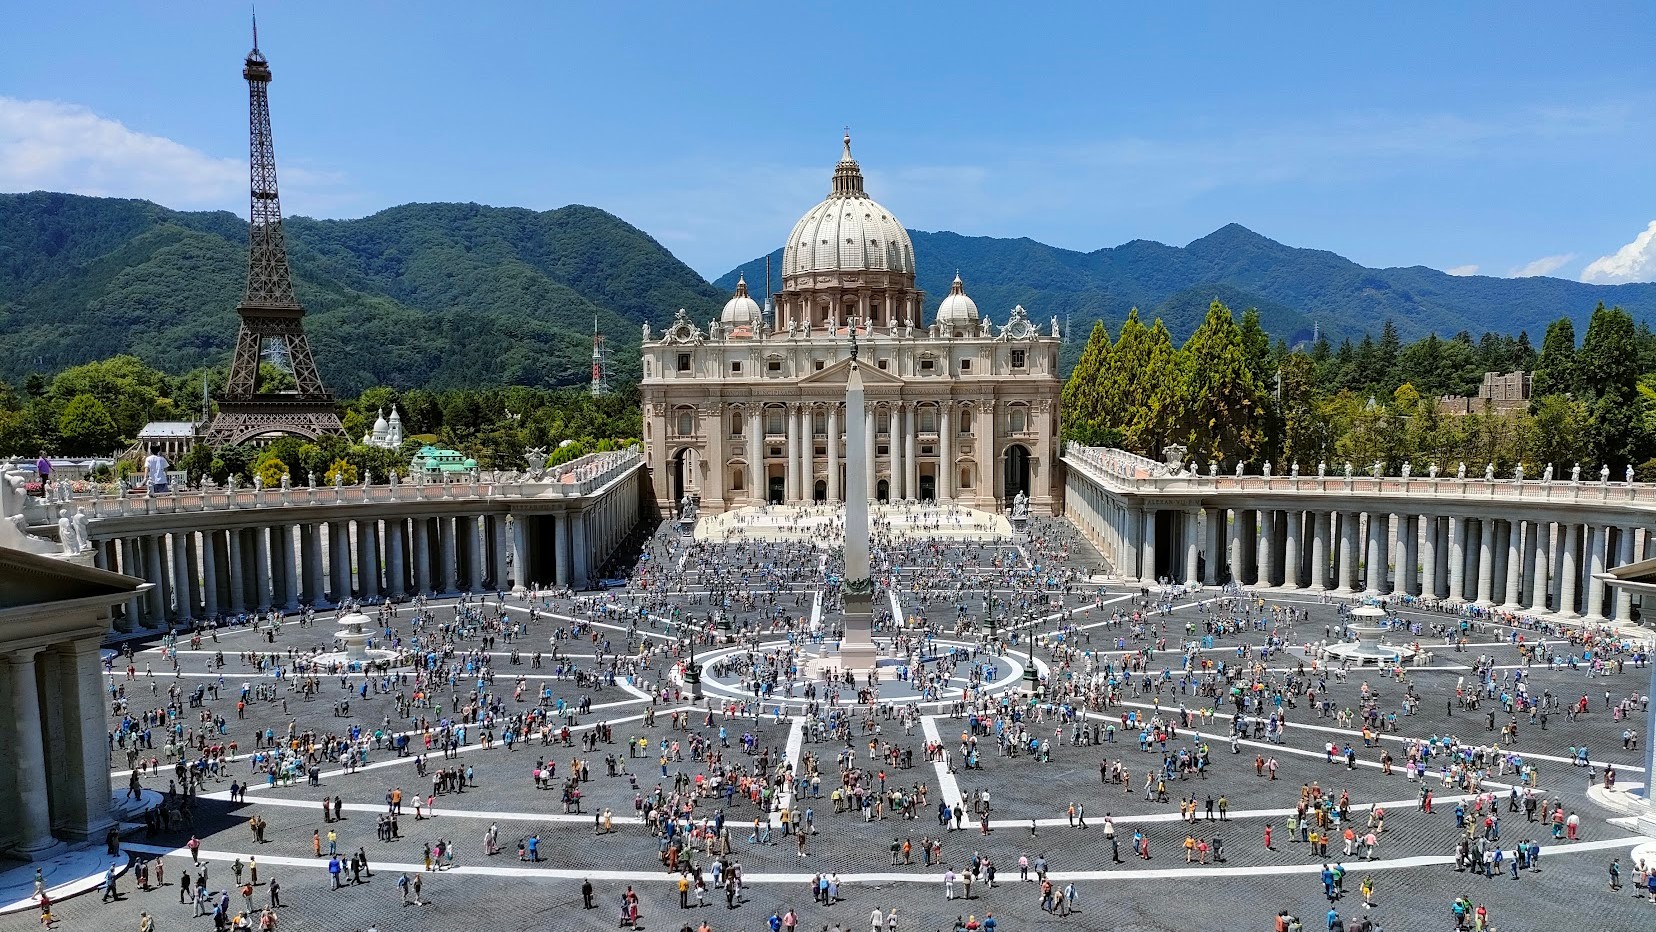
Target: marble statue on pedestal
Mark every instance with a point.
(83, 539)
(66, 533)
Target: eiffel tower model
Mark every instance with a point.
(269, 313)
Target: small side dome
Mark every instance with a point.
(957, 310)
(741, 310)
(380, 426)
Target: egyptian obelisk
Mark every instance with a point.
(857, 646)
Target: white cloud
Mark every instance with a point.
(55, 146)
(1463, 270)
(1546, 265)
(48, 145)
(1635, 262)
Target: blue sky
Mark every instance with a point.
(1511, 138)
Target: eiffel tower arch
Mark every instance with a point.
(269, 313)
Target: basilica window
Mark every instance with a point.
(736, 424)
(773, 420)
(684, 362)
(1020, 418)
(736, 367)
(928, 420)
(1018, 359)
(965, 423)
(686, 422)
(773, 366)
(965, 365)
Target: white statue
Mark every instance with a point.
(1460, 473)
(1376, 469)
(1489, 472)
(339, 479)
(646, 333)
(1266, 470)
(1629, 473)
(233, 482)
(66, 533)
(312, 477)
(1575, 474)
(1238, 469)
(393, 478)
(1348, 469)
(983, 327)
(1518, 473)
(258, 482)
(1408, 467)
(1432, 471)
(1322, 469)
(1604, 474)
(1293, 469)
(367, 476)
(1547, 475)
(286, 482)
(1055, 326)
(83, 539)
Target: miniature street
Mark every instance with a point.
(552, 741)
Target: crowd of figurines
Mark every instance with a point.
(1232, 396)
(96, 410)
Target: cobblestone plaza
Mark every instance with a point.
(948, 721)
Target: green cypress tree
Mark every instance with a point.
(1082, 411)
(1223, 403)
(1555, 371)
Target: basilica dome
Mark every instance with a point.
(741, 310)
(957, 309)
(848, 232)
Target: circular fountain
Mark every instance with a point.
(1367, 627)
(357, 653)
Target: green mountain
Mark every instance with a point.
(1295, 290)
(427, 295)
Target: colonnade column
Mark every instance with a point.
(807, 455)
(894, 444)
(1192, 529)
(1375, 582)
(911, 453)
(1291, 578)
(1513, 600)
(478, 544)
(1213, 533)
(497, 527)
(1264, 529)
(445, 552)
(1624, 556)
(1486, 562)
(155, 572)
(1597, 553)
(1403, 554)
(261, 566)
(396, 558)
(868, 461)
(367, 548)
(833, 454)
(1319, 551)
(290, 578)
(28, 752)
(1429, 556)
(1537, 563)
(791, 492)
(1147, 547)
(310, 554)
(1568, 570)
(758, 480)
(945, 459)
(520, 553)
(209, 576)
(1457, 557)
(182, 571)
(1235, 547)
(579, 568)
(421, 549)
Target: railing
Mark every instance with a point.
(574, 479)
(1142, 474)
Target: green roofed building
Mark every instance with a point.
(434, 462)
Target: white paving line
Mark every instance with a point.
(642, 875)
(948, 787)
(796, 744)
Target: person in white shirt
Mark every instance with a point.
(155, 471)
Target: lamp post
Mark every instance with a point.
(1032, 679)
(692, 671)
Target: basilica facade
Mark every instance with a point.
(751, 408)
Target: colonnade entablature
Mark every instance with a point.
(219, 553)
(1539, 546)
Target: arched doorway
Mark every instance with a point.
(882, 491)
(928, 488)
(819, 493)
(681, 474)
(778, 490)
(1017, 471)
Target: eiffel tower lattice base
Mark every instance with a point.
(265, 416)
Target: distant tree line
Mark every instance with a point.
(1229, 394)
(97, 410)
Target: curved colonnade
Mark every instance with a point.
(225, 552)
(1536, 547)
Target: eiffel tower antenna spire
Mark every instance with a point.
(269, 312)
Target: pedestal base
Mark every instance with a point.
(859, 658)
